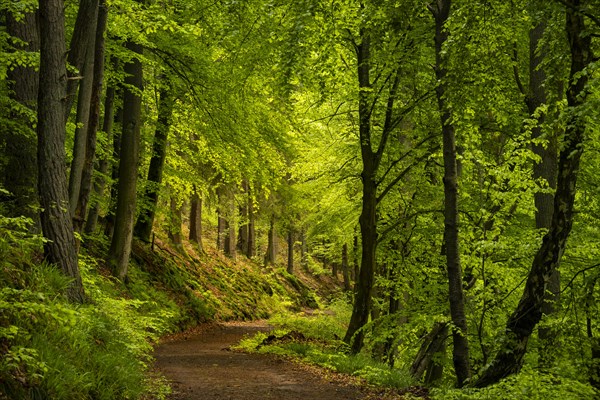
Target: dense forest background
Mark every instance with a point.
(440, 156)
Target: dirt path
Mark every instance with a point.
(201, 366)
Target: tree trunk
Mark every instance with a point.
(93, 120)
(230, 241)
(20, 174)
(251, 225)
(460, 353)
(60, 248)
(545, 169)
(175, 224)
(196, 220)
(368, 223)
(149, 201)
(427, 366)
(528, 313)
(120, 247)
(271, 245)
(114, 174)
(83, 32)
(290, 249)
(242, 243)
(345, 268)
(82, 119)
(100, 181)
(355, 265)
(303, 250)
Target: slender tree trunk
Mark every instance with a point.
(345, 268)
(528, 313)
(368, 222)
(271, 244)
(251, 225)
(175, 226)
(355, 265)
(221, 221)
(427, 365)
(196, 220)
(114, 174)
(460, 354)
(303, 250)
(93, 120)
(149, 201)
(100, 181)
(60, 248)
(290, 249)
(82, 118)
(230, 241)
(83, 32)
(20, 174)
(120, 247)
(242, 243)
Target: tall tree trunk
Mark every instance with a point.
(290, 249)
(545, 169)
(460, 355)
(82, 119)
(114, 173)
(303, 250)
(196, 220)
(251, 225)
(271, 244)
(175, 225)
(368, 222)
(100, 181)
(528, 313)
(20, 175)
(149, 201)
(355, 265)
(242, 243)
(60, 248)
(345, 268)
(221, 221)
(120, 247)
(427, 366)
(84, 31)
(93, 120)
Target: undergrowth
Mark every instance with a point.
(315, 339)
(53, 349)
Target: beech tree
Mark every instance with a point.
(60, 249)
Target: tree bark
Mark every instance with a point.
(83, 32)
(303, 250)
(82, 119)
(60, 249)
(271, 244)
(114, 174)
(242, 243)
(100, 181)
(367, 220)
(545, 170)
(528, 313)
(345, 268)
(175, 225)
(196, 220)
(149, 201)
(93, 120)
(120, 247)
(251, 225)
(290, 249)
(20, 174)
(460, 353)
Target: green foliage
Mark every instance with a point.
(528, 385)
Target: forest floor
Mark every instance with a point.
(201, 365)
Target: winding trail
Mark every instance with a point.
(201, 367)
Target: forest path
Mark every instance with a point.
(201, 366)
